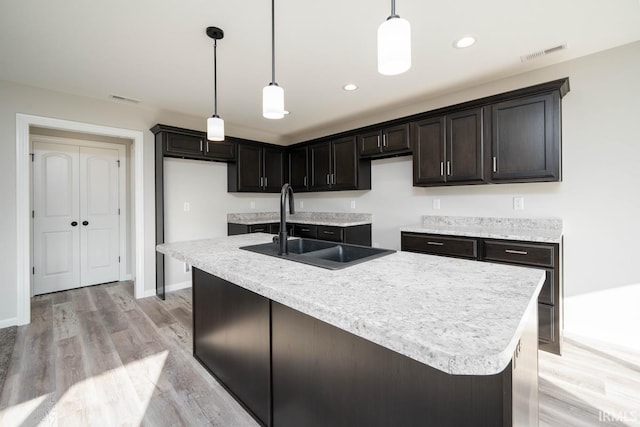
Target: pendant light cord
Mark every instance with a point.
(393, 10)
(215, 78)
(273, 42)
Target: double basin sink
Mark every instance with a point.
(329, 255)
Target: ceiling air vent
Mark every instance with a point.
(123, 98)
(541, 53)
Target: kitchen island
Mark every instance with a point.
(403, 339)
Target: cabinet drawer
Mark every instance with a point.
(220, 150)
(260, 228)
(305, 231)
(439, 245)
(520, 253)
(546, 322)
(331, 233)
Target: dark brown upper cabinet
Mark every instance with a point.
(191, 144)
(297, 168)
(449, 149)
(393, 140)
(335, 165)
(258, 168)
(525, 139)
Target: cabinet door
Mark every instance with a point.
(320, 162)
(464, 155)
(428, 151)
(306, 231)
(231, 337)
(184, 145)
(525, 140)
(370, 143)
(273, 171)
(298, 164)
(222, 150)
(345, 164)
(249, 168)
(396, 138)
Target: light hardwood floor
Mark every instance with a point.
(95, 356)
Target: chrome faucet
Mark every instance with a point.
(282, 235)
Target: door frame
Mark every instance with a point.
(123, 251)
(23, 200)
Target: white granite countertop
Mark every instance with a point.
(458, 316)
(339, 219)
(546, 230)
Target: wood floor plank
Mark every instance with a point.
(65, 321)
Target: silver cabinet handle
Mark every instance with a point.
(435, 243)
(305, 229)
(261, 181)
(384, 139)
(266, 181)
(495, 164)
(333, 178)
(304, 181)
(328, 232)
(328, 178)
(378, 138)
(448, 168)
(207, 146)
(513, 251)
(257, 230)
(441, 168)
(200, 145)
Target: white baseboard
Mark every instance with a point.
(126, 277)
(170, 288)
(8, 322)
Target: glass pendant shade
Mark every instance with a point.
(273, 101)
(394, 46)
(215, 129)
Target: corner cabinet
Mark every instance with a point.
(545, 256)
(258, 168)
(335, 165)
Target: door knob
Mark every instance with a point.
(85, 222)
(74, 223)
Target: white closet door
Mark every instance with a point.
(100, 222)
(55, 202)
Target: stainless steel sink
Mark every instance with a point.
(332, 256)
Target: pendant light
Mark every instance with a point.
(394, 44)
(272, 94)
(215, 125)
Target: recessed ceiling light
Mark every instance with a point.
(463, 42)
(349, 87)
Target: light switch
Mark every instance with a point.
(436, 204)
(518, 203)
(187, 206)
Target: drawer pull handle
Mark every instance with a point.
(256, 230)
(304, 229)
(435, 243)
(328, 232)
(513, 251)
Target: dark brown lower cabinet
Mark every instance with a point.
(231, 338)
(545, 256)
(290, 369)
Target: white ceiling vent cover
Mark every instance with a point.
(123, 98)
(541, 53)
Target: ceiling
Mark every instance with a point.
(156, 51)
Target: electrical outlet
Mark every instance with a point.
(353, 204)
(187, 268)
(252, 205)
(518, 203)
(187, 206)
(436, 204)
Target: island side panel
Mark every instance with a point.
(323, 375)
(231, 338)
